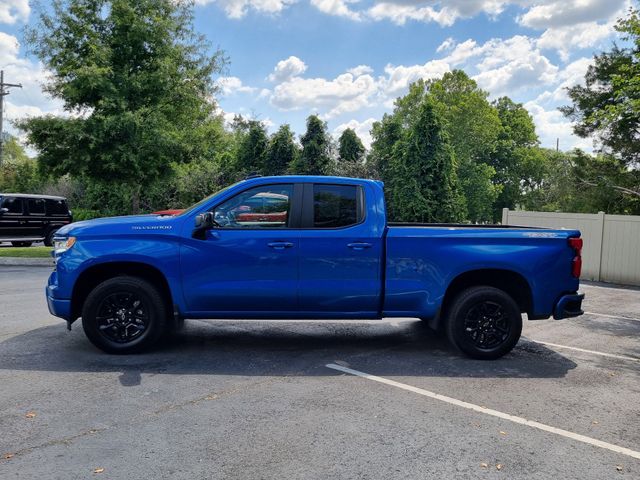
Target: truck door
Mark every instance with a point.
(249, 264)
(340, 253)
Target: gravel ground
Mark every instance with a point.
(240, 399)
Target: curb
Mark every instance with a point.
(24, 262)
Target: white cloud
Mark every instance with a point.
(345, 93)
(362, 129)
(511, 65)
(400, 13)
(233, 85)
(448, 44)
(561, 13)
(552, 125)
(239, 8)
(29, 100)
(338, 8)
(400, 77)
(445, 13)
(360, 70)
(566, 39)
(286, 69)
(570, 75)
(12, 11)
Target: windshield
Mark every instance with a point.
(195, 206)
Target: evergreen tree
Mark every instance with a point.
(351, 155)
(315, 158)
(350, 147)
(252, 150)
(424, 184)
(473, 127)
(282, 152)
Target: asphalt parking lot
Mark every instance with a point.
(238, 399)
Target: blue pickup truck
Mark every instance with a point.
(308, 247)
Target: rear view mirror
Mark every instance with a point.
(203, 222)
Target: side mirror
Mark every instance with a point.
(204, 222)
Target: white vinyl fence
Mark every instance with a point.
(611, 250)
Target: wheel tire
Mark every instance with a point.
(48, 240)
(116, 293)
(21, 244)
(480, 309)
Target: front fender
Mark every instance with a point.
(161, 253)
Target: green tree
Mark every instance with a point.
(139, 82)
(424, 185)
(584, 183)
(351, 154)
(385, 134)
(252, 150)
(350, 147)
(473, 126)
(315, 158)
(517, 160)
(282, 152)
(18, 172)
(608, 105)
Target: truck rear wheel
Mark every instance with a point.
(124, 315)
(484, 322)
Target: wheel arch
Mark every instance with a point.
(96, 274)
(509, 281)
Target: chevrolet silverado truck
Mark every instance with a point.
(309, 247)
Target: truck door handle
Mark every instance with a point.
(280, 245)
(359, 245)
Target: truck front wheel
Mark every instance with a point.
(484, 322)
(124, 315)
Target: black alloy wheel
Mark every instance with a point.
(484, 322)
(124, 315)
(487, 324)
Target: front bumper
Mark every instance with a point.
(59, 307)
(569, 306)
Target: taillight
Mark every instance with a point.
(576, 263)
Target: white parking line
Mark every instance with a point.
(612, 316)
(593, 352)
(494, 413)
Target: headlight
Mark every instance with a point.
(61, 245)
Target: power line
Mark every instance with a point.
(3, 93)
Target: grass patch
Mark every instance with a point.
(26, 252)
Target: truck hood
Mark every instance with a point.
(132, 224)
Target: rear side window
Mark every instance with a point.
(57, 207)
(36, 206)
(13, 205)
(335, 206)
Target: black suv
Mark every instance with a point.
(25, 219)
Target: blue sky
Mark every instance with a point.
(347, 60)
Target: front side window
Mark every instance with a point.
(335, 206)
(267, 206)
(36, 206)
(13, 205)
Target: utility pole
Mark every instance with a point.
(3, 93)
